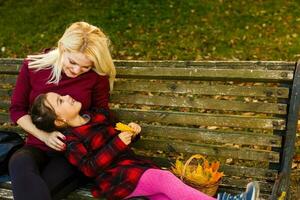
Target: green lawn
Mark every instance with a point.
(156, 30)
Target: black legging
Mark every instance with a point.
(40, 175)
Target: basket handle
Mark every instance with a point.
(198, 156)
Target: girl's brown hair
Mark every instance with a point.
(42, 116)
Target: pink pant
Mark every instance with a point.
(157, 184)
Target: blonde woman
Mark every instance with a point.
(80, 65)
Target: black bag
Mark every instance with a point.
(9, 143)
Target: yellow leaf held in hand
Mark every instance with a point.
(123, 127)
(282, 196)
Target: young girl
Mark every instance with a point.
(101, 152)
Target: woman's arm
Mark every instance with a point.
(19, 111)
(53, 139)
(20, 97)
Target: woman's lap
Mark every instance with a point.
(36, 172)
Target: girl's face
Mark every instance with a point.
(75, 64)
(65, 107)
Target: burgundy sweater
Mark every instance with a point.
(91, 89)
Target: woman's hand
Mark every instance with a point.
(125, 137)
(136, 128)
(54, 141)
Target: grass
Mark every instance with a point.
(157, 30)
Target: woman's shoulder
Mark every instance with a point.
(94, 77)
(97, 76)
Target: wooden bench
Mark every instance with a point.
(242, 113)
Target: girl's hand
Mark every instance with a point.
(125, 137)
(54, 141)
(136, 128)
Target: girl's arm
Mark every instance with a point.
(92, 164)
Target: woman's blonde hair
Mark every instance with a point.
(79, 37)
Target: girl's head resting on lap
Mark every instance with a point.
(52, 111)
(81, 48)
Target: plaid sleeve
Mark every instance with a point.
(90, 163)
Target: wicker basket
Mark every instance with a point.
(209, 189)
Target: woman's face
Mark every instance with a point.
(75, 64)
(65, 107)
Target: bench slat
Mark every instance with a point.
(7, 80)
(6, 93)
(250, 172)
(266, 65)
(204, 74)
(207, 103)
(4, 105)
(196, 134)
(202, 89)
(259, 107)
(11, 61)
(11, 70)
(200, 119)
(241, 183)
(210, 136)
(211, 150)
(262, 195)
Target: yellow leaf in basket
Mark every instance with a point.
(215, 166)
(215, 177)
(206, 164)
(199, 179)
(178, 167)
(199, 169)
(123, 127)
(208, 170)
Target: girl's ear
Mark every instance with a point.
(60, 122)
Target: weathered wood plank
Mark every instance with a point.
(201, 103)
(231, 190)
(204, 89)
(200, 119)
(4, 104)
(250, 172)
(4, 117)
(210, 136)
(7, 79)
(211, 150)
(266, 65)
(209, 73)
(272, 65)
(241, 183)
(12, 70)
(11, 61)
(6, 93)
(79, 194)
(6, 194)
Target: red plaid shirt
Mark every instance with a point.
(98, 152)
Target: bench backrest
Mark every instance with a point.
(236, 112)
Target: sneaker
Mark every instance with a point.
(226, 196)
(252, 193)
